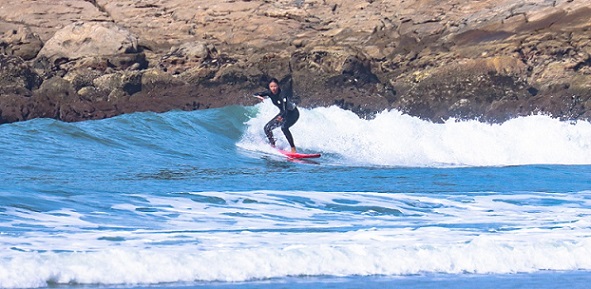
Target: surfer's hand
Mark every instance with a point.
(279, 118)
(259, 97)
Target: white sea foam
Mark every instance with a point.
(239, 236)
(372, 254)
(116, 266)
(396, 139)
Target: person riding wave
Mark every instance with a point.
(288, 112)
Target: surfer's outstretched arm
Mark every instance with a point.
(260, 97)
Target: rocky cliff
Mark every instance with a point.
(467, 59)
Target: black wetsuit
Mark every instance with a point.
(287, 111)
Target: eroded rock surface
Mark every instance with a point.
(490, 60)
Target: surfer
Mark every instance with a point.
(288, 112)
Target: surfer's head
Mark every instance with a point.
(274, 85)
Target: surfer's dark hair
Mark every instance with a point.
(273, 80)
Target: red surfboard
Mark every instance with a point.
(299, 155)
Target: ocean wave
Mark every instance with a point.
(254, 235)
(482, 255)
(395, 139)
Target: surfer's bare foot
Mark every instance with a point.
(293, 150)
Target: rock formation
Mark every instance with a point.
(490, 60)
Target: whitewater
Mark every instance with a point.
(199, 200)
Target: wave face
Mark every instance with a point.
(200, 198)
(395, 139)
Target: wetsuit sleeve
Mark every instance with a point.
(266, 93)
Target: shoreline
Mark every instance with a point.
(542, 280)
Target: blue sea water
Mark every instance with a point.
(198, 200)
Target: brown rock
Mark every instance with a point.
(21, 42)
(88, 39)
(14, 107)
(186, 56)
(16, 76)
(45, 17)
(128, 82)
(488, 60)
